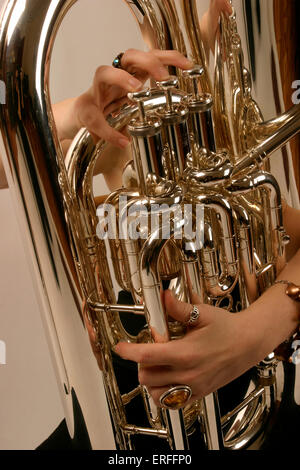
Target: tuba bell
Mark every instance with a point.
(201, 141)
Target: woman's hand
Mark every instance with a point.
(109, 91)
(218, 349)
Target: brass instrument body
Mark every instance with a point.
(229, 179)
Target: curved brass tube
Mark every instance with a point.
(74, 268)
(279, 132)
(226, 280)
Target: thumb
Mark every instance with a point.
(181, 311)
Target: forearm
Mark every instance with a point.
(291, 221)
(65, 119)
(275, 315)
(113, 159)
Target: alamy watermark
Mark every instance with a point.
(135, 220)
(2, 353)
(296, 94)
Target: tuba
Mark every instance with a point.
(199, 140)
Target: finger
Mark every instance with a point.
(146, 62)
(181, 311)
(151, 353)
(115, 106)
(159, 376)
(154, 63)
(178, 310)
(91, 117)
(118, 77)
(173, 58)
(111, 84)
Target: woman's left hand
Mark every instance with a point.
(216, 350)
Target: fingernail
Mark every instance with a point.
(135, 84)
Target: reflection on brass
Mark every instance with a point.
(199, 140)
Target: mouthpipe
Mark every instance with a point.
(265, 129)
(286, 127)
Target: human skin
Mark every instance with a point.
(108, 92)
(222, 345)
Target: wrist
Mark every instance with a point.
(288, 350)
(274, 317)
(255, 333)
(66, 119)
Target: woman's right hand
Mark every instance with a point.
(109, 90)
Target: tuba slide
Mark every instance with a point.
(200, 210)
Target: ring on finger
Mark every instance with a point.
(176, 397)
(117, 62)
(194, 316)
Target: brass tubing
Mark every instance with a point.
(287, 126)
(101, 307)
(252, 396)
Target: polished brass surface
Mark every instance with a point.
(200, 140)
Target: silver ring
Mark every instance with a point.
(176, 397)
(194, 316)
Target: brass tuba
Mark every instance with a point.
(199, 140)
